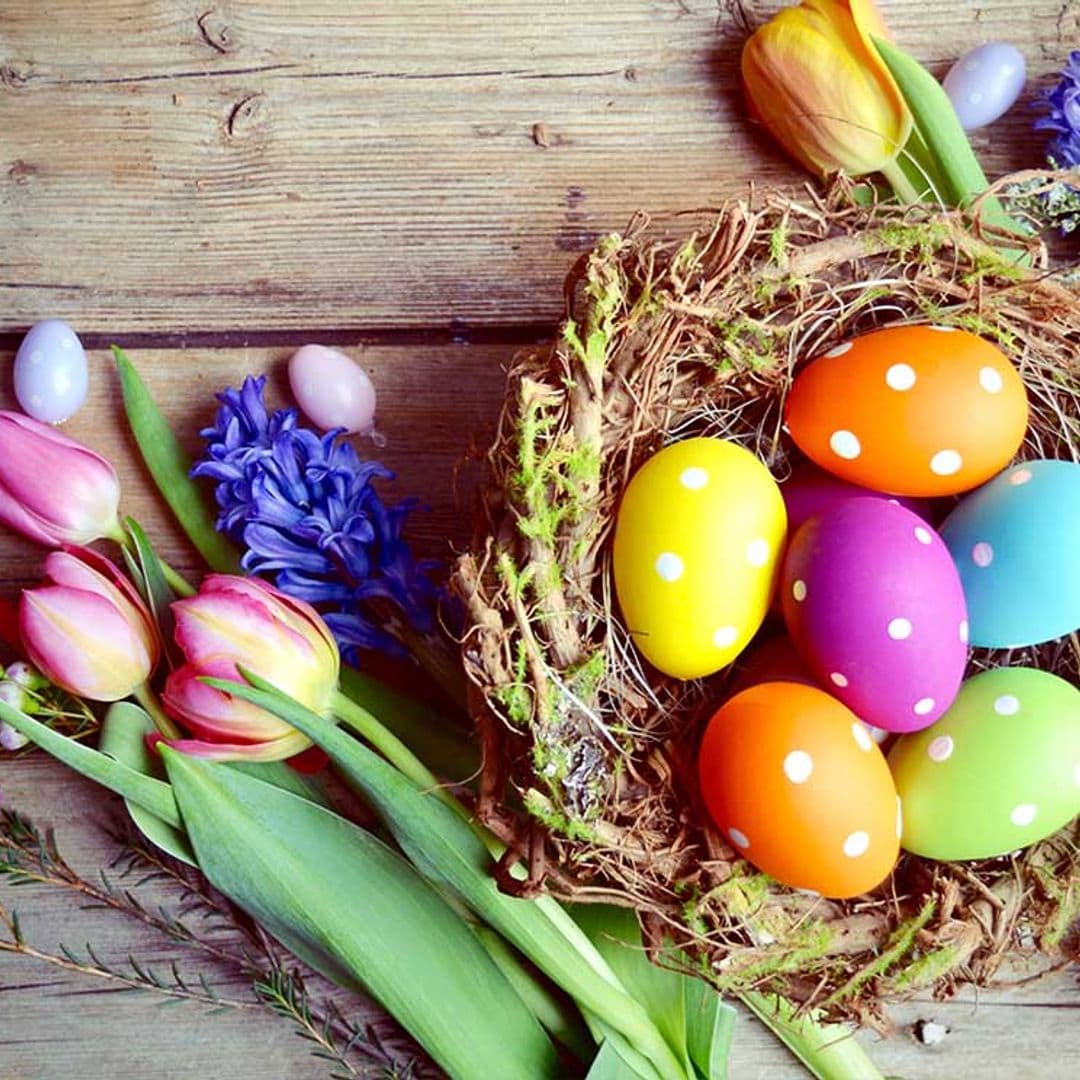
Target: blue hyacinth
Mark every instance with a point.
(1062, 105)
(304, 509)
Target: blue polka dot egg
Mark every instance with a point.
(698, 539)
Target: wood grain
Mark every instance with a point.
(172, 166)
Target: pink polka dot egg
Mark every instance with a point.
(874, 605)
(797, 786)
(910, 410)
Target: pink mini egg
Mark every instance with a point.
(874, 605)
(811, 491)
(332, 390)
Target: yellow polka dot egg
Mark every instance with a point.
(698, 539)
(910, 410)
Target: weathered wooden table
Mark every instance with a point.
(212, 184)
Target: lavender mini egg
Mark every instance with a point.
(985, 83)
(332, 390)
(874, 605)
(51, 379)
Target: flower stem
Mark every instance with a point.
(829, 1051)
(177, 582)
(905, 190)
(148, 700)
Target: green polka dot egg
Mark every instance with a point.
(999, 771)
(698, 539)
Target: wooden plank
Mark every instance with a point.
(438, 405)
(167, 166)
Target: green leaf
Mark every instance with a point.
(710, 1025)
(437, 741)
(445, 849)
(123, 738)
(313, 878)
(152, 795)
(612, 1063)
(282, 775)
(154, 588)
(170, 468)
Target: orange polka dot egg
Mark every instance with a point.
(910, 410)
(794, 781)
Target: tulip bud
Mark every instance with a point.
(53, 489)
(234, 623)
(816, 81)
(88, 630)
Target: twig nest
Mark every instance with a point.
(697, 326)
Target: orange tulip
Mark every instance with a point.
(815, 80)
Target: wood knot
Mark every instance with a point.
(244, 117)
(214, 30)
(21, 171)
(15, 74)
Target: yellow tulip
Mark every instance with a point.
(817, 83)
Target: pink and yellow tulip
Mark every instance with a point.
(818, 84)
(52, 489)
(87, 629)
(234, 623)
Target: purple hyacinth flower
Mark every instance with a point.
(304, 509)
(1062, 119)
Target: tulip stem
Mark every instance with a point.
(148, 700)
(905, 190)
(177, 582)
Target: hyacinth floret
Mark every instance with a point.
(304, 509)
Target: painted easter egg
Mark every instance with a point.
(985, 83)
(1000, 770)
(697, 545)
(811, 491)
(874, 606)
(911, 410)
(797, 786)
(332, 390)
(51, 378)
(1016, 542)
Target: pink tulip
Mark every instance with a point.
(53, 489)
(88, 630)
(237, 622)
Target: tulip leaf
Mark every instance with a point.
(710, 1024)
(151, 794)
(282, 775)
(447, 850)
(437, 741)
(313, 879)
(123, 738)
(155, 588)
(613, 1063)
(170, 468)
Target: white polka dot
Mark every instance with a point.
(899, 818)
(693, 478)
(1007, 70)
(944, 329)
(845, 444)
(669, 566)
(923, 706)
(798, 590)
(1024, 814)
(893, 502)
(972, 65)
(975, 97)
(35, 399)
(964, 631)
(37, 356)
(940, 749)
(1021, 476)
(739, 838)
(839, 350)
(798, 766)
(757, 552)
(838, 679)
(946, 463)
(308, 388)
(879, 735)
(862, 736)
(1007, 705)
(924, 536)
(725, 636)
(900, 377)
(982, 554)
(67, 343)
(990, 380)
(61, 382)
(900, 629)
(858, 843)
